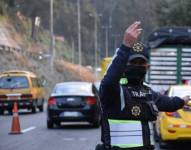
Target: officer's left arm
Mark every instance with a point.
(168, 104)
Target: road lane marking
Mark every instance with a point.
(83, 139)
(68, 139)
(28, 129)
(74, 139)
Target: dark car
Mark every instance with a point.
(73, 101)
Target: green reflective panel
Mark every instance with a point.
(123, 81)
(128, 145)
(122, 121)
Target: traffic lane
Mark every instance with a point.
(79, 137)
(67, 137)
(27, 120)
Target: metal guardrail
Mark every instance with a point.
(9, 49)
(5, 48)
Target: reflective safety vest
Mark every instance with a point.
(128, 133)
(130, 126)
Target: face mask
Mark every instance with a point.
(135, 74)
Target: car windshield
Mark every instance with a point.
(73, 88)
(181, 92)
(13, 82)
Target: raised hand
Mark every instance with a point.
(187, 100)
(132, 34)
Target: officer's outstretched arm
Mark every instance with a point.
(168, 104)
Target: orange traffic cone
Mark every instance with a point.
(15, 129)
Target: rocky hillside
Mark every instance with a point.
(20, 53)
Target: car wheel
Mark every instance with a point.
(50, 124)
(1, 112)
(10, 111)
(41, 107)
(162, 144)
(34, 108)
(96, 122)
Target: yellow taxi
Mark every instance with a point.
(23, 87)
(171, 126)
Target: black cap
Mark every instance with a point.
(139, 50)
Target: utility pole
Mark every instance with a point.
(95, 17)
(107, 27)
(72, 49)
(79, 32)
(95, 42)
(52, 51)
(115, 36)
(96, 46)
(106, 38)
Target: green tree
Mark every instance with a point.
(173, 12)
(65, 20)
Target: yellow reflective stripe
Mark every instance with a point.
(113, 121)
(128, 145)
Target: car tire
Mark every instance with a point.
(1, 112)
(10, 111)
(96, 122)
(162, 144)
(41, 107)
(157, 137)
(50, 124)
(34, 108)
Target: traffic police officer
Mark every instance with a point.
(128, 109)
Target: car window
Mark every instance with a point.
(34, 82)
(13, 82)
(181, 92)
(73, 88)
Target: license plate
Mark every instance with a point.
(13, 97)
(70, 114)
(5, 104)
(70, 99)
(21, 104)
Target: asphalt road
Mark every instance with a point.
(36, 136)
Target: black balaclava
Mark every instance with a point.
(135, 74)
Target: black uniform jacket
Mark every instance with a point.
(110, 88)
